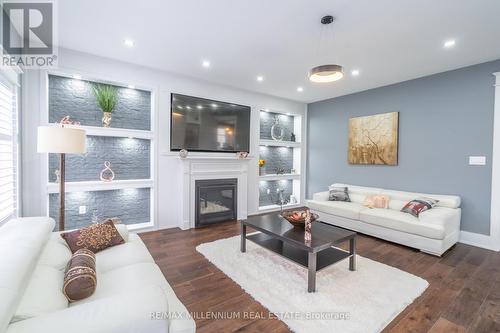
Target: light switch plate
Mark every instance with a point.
(477, 160)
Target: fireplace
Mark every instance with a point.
(216, 201)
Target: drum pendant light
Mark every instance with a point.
(326, 73)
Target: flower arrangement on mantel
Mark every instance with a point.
(107, 97)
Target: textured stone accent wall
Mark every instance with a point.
(75, 98)
(130, 205)
(267, 121)
(276, 157)
(130, 159)
(266, 199)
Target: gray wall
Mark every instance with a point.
(130, 159)
(130, 205)
(267, 121)
(443, 119)
(272, 198)
(276, 157)
(74, 98)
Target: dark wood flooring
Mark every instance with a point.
(463, 296)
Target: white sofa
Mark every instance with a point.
(434, 231)
(132, 294)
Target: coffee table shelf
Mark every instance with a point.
(324, 258)
(278, 235)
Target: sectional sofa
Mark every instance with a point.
(132, 294)
(434, 231)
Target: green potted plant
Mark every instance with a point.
(106, 97)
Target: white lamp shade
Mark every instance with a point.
(54, 139)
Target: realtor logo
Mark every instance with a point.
(28, 34)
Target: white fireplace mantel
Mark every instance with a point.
(204, 167)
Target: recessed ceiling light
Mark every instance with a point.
(449, 43)
(300, 89)
(77, 76)
(188, 107)
(355, 72)
(214, 105)
(131, 86)
(128, 42)
(199, 107)
(179, 107)
(205, 63)
(260, 78)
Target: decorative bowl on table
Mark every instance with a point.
(298, 217)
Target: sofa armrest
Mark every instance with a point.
(321, 196)
(448, 218)
(130, 312)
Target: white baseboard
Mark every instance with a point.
(185, 225)
(479, 240)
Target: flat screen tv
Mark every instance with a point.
(204, 125)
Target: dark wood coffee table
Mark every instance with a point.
(281, 237)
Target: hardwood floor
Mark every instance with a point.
(463, 296)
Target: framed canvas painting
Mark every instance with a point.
(374, 139)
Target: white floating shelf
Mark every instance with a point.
(272, 208)
(273, 143)
(279, 177)
(101, 186)
(113, 132)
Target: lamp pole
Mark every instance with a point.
(62, 168)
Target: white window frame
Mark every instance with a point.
(8, 81)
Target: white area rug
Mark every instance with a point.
(371, 296)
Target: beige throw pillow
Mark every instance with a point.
(376, 201)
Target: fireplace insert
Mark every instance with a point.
(216, 201)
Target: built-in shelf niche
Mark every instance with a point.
(283, 160)
(128, 144)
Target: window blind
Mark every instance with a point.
(8, 152)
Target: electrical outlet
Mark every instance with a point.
(82, 210)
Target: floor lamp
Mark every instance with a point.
(61, 140)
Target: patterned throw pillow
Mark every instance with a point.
(419, 205)
(338, 194)
(80, 277)
(376, 201)
(95, 237)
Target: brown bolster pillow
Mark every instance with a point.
(80, 277)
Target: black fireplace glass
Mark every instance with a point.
(216, 201)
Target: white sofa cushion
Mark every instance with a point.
(359, 193)
(132, 252)
(43, 294)
(140, 276)
(21, 242)
(398, 199)
(128, 312)
(56, 253)
(119, 279)
(349, 210)
(436, 225)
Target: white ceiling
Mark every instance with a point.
(389, 41)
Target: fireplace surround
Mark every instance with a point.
(210, 168)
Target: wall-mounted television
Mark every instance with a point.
(204, 125)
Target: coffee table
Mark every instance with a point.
(281, 237)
